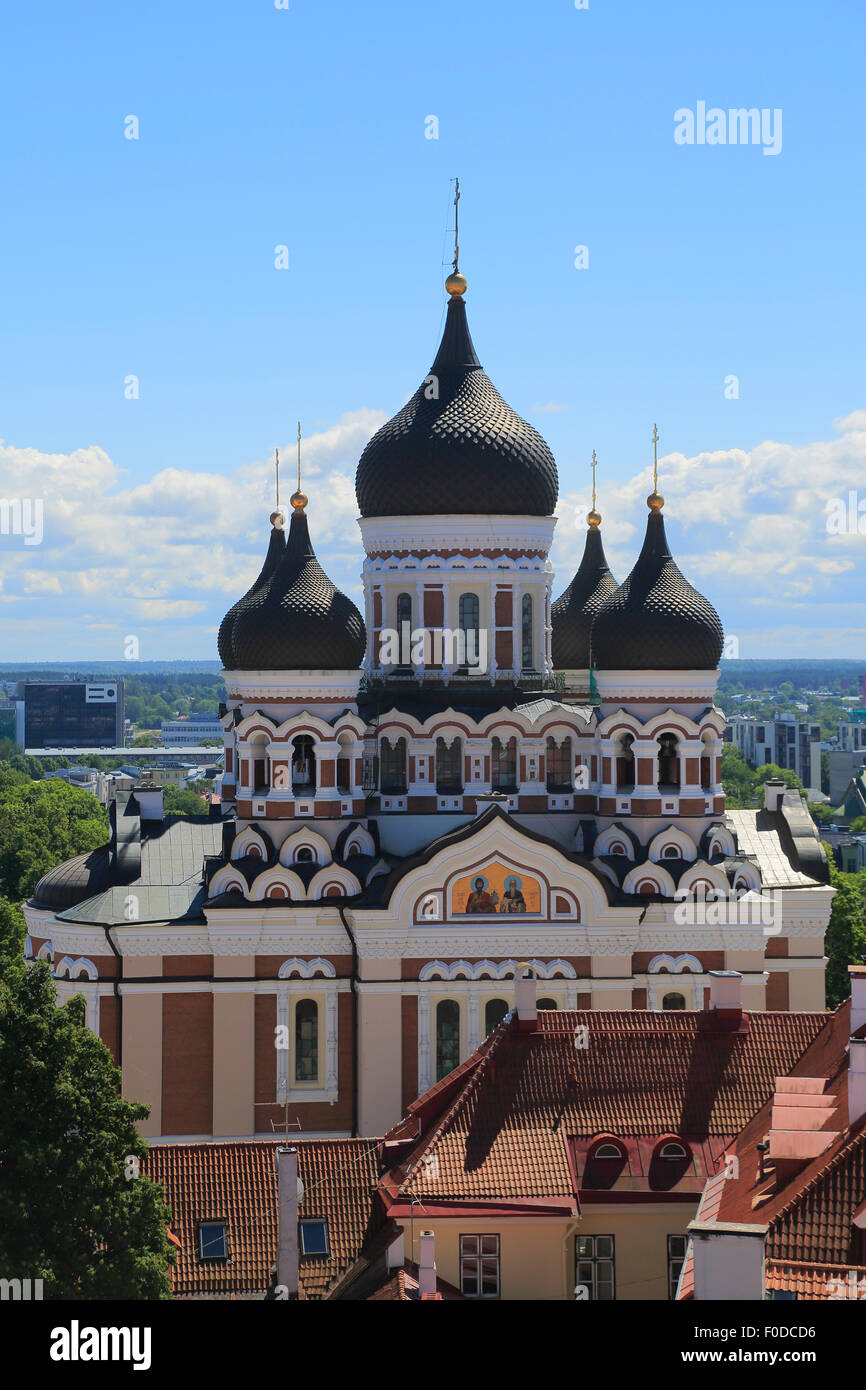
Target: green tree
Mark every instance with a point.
(72, 1212)
(13, 930)
(845, 939)
(858, 825)
(43, 823)
(736, 778)
(180, 801)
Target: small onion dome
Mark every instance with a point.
(75, 880)
(276, 551)
(298, 620)
(456, 447)
(655, 620)
(572, 614)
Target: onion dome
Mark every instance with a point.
(572, 614)
(276, 550)
(655, 620)
(297, 620)
(75, 880)
(456, 447)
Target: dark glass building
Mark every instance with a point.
(73, 714)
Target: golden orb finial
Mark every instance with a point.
(278, 519)
(655, 501)
(456, 284)
(299, 500)
(593, 517)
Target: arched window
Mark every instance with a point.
(706, 766)
(392, 761)
(303, 764)
(494, 1012)
(669, 763)
(504, 765)
(404, 613)
(673, 1001)
(449, 765)
(468, 619)
(526, 632)
(447, 1037)
(559, 769)
(608, 1151)
(670, 852)
(672, 1150)
(547, 1004)
(304, 855)
(625, 763)
(647, 888)
(306, 1041)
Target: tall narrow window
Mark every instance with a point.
(404, 628)
(504, 765)
(594, 1269)
(449, 765)
(494, 1012)
(306, 1041)
(676, 1260)
(467, 619)
(303, 764)
(479, 1266)
(559, 769)
(625, 764)
(669, 763)
(526, 631)
(447, 1037)
(392, 758)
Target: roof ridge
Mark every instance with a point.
(847, 1144)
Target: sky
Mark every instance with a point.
(153, 352)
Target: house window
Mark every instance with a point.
(674, 1001)
(314, 1238)
(393, 764)
(676, 1260)
(467, 618)
(504, 765)
(526, 632)
(306, 1041)
(672, 1150)
(212, 1243)
(404, 615)
(449, 765)
(608, 1151)
(547, 1004)
(447, 1037)
(479, 1266)
(494, 1012)
(594, 1269)
(559, 770)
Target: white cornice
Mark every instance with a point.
(457, 532)
(292, 685)
(656, 685)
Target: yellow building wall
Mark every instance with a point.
(537, 1256)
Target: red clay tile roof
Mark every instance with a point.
(816, 1283)
(403, 1287)
(237, 1182)
(501, 1134)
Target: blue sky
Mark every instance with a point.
(306, 128)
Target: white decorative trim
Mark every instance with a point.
(456, 532)
(292, 685)
(493, 970)
(307, 969)
(661, 685)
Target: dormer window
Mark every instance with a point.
(608, 1151)
(672, 1150)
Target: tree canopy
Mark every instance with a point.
(43, 823)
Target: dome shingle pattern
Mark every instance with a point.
(297, 620)
(572, 614)
(75, 880)
(463, 451)
(656, 620)
(276, 551)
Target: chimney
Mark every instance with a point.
(524, 997)
(729, 1260)
(427, 1265)
(287, 1219)
(395, 1254)
(774, 790)
(858, 996)
(150, 802)
(726, 999)
(856, 1080)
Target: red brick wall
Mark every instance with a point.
(108, 1023)
(777, 992)
(187, 1064)
(410, 1051)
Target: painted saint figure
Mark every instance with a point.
(480, 900)
(512, 899)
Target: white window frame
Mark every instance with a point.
(325, 995)
(594, 1260)
(478, 1258)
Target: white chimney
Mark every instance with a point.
(395, 1254)
(525, 996)
(774, 790)
(287, 1220)
(856, 1079)
(858, 996)
(427, 1263)
(726, 989)
(150, 803)
(729, 1260)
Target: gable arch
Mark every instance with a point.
(307, 969)
(671, 721)
(619, 722)
(702, 871)
(336, 875)
(305, 838)
(361, 841)
(247, 839)
(675, 965)
(224, 880)
(278, 876)
(672, 836)
(653, 873)
(609, 838)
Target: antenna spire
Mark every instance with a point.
(456, 224)
(299, 499)
(655, 501)
(277, 516)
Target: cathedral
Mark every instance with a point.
(468, 780)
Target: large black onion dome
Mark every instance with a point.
(456, 446)
(75, 880)
(655, 620)
(298, 620)
(276, 551)
(572, 614)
